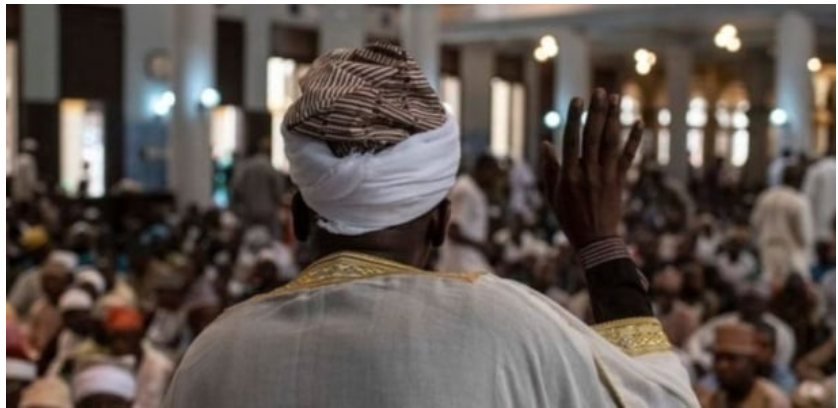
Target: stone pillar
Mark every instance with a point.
(420, 37)
(342, 26)
(40, 59)
(573, 74)
(534, 117)
(146, 134)
(795, 39)
(679, 67)
(194, 49)
(758, 78)
(477, 65)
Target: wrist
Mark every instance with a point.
(602, 250)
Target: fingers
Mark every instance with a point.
(570, 141)
(594, 126)
(630, 149)
(550, 170)
(609, 154)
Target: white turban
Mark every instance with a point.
(104, 379)
(66, 259)
(20, 369)
(75, 299)
(93, 278)
(365, 192)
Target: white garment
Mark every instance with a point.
(416, 340)
(736, 273)
(368, 192)
(706, 248)
(470, 211)
(819, 188)
(153, 376)
(25, 184)
(782, 221)
(699, 344)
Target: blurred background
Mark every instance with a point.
(132, 132)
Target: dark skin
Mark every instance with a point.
(584, 192)
(736, 374)
(103, 401)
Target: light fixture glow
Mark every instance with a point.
(664, 117)
(814, 64)
(210, 98)
(778, 117)
(162, 105)
(552, 120)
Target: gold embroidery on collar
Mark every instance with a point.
(635, 336)
(349, 266)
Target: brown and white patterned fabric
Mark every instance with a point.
(364, 99)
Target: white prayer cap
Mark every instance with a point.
(49, 392)
(93, 278)
(66, 259)
(365, 192)
(20, 369)
(75, 299)
(107, 379)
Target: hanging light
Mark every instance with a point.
(814, 64)
(552, 120)
(162, 105)
(778, 117)
(727, 38)
(210, 98)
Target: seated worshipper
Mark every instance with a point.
(104, 385)
(153, 370)
(467, 248)
(74, 340)
(779, 375)
(118, 293)
(374, 156)
(45, 319)
(707, 240)
(523, 253)
(20, 370)
(735, 263)
(815, 394)
(819, 363)
(46, 392)
(91, 281)
(27, 287)
(735, 366)
(167, 329)
(678, 319)
(753, 306)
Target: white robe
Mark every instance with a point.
(357, 331)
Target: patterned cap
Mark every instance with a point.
(364, 99)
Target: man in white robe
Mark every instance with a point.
(374, 157)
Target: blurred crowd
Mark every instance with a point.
(100, 308)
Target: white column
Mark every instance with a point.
(145, 134)
(342, 26)
(573, 72)
(190, 164)
(679, 67)
(40, 65)
(257, 50)
(420, 37)
(795, 45)
(477, 67)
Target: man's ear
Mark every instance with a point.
(302, 217)
(439, 223)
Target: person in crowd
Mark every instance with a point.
(766, 345)
(678, 320)
(27, 288)
(707, 240)
(736, 370)
(782, 222)
(118, 292)
(26, 182)
(372, 205)
(75, 339)
(152, 369)
(257, 190)
(735, 263)
(47, 392)
(753, 302)
(91, 281)
(44, 322)
(104, 385)
(467, 247)
(167, 329)
(819, 188)
(819, 363)
(778, 166)
(20, 369)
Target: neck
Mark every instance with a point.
(739, 394)
(399, 246)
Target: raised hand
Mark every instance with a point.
(585, 190)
